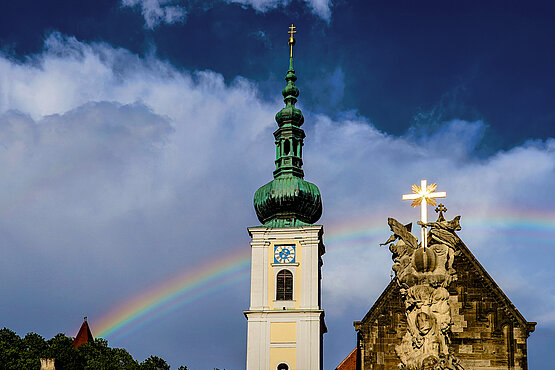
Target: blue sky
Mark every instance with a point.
(134, 134)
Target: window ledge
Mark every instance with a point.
(284, 264)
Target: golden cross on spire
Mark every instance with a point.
(422, 196)
(291, 38)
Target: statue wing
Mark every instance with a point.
(400, 230)
(445, 237)
(391, 239)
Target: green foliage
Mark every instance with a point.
(18, 353)
(24, 353)
(154, 363)
(61, 348)
(98, 355)
(10, 345)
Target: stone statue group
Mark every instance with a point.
(424, 274)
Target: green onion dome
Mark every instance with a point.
(288, 201)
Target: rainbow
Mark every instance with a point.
(172, 293)
(215, 275)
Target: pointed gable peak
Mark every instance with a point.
(84, 335)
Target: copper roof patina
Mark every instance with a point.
(288, 200)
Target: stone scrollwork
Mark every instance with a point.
(423, 275)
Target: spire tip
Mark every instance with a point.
(291, 41)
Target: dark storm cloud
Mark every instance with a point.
(398, 59)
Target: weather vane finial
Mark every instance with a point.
(291, 38)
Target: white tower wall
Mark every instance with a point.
(285, 331)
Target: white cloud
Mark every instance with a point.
(141, 170)
(173, 11)
(321, 8)
(261, 5)
(158, 11)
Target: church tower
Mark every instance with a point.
(285, 318)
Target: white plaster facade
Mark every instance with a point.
(290, 331)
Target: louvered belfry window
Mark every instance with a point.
(284, 286)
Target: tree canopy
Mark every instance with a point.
(18, 353)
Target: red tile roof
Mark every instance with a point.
(350, 362)
(84, 336)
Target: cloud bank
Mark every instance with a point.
(120, 171)
(156, 12)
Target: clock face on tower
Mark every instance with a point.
(284, 254)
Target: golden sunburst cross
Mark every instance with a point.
(291, 38)
(422, 196)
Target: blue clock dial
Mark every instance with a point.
(284, 254)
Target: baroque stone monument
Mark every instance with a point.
(423, 273)
(441, 310)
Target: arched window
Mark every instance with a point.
(284, 286)
(286, 147)
(282, 367)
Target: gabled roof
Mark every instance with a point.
(84, 336)
(510, 308)
(462, 250)
(386, 295)
(350, 362)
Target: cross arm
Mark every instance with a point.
(439, 194)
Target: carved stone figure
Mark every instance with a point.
(423, 275)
